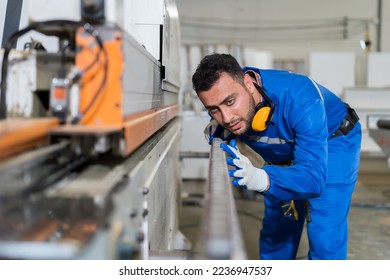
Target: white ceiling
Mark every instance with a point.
(259, 22)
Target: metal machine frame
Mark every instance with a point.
(101, 181)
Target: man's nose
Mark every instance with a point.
(226, 115)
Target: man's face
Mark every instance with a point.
(230, 104)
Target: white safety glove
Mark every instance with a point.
(213, 129)
(245, 175)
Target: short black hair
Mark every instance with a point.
(210, 69)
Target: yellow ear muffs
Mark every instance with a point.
(263, 111)
(261, 118)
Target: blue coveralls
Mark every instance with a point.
(323, 172)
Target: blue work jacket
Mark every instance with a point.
(305, 115)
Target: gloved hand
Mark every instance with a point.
(213, 129)
(246, 175)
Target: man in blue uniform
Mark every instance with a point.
(309, 139)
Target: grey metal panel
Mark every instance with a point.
(141, 78)
(12, 20)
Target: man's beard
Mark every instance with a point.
(247, 119)
(249, 116)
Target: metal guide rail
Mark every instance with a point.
(221, 236)
(54, 205)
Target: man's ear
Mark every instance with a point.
(248, 82)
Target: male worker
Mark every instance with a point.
(309, 139)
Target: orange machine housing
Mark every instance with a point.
(101, 94)
(101, 86)
(101, 100)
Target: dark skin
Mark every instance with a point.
(231, 103)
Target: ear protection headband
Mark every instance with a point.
(263, 111)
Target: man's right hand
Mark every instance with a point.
(213, 129)
(245, 175)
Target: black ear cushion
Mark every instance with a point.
(260, 105)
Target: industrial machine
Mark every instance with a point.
(89, 139)
(379, 130)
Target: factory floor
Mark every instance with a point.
(369, 219)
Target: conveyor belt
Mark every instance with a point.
(35, 170)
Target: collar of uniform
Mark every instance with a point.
(254, 73)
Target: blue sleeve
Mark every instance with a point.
(307, 176)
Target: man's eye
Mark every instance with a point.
(230, 102)
(213, 110)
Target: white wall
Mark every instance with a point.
(333, 70)
(378, 70)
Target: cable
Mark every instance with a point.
(87, 27)
(40, 27)
(37, 26)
